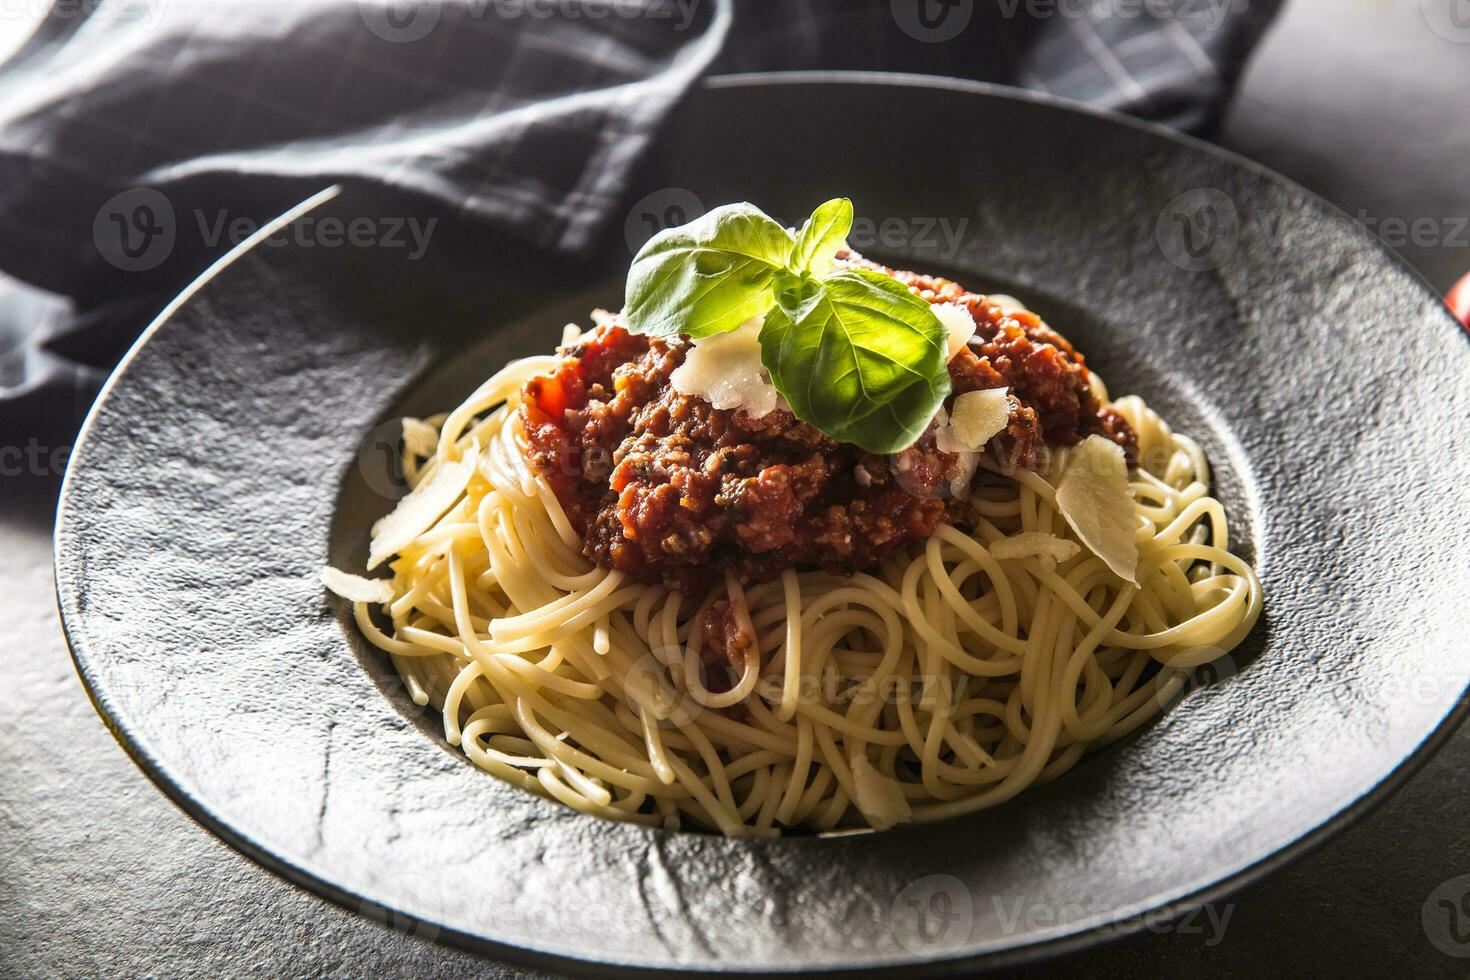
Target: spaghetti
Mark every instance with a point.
(961, 670)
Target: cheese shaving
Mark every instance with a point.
(419, 437)
(355, 588)
(961, 473)
(1029, 544)
(418, 512)
(1094, 498)
(979, 416)
(1008, 304)
(726, 371)
(880, 798)
(959, 325)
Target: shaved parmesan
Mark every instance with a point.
(417, 512)
(959, 325)
(726, 371)
(419, 437)
(961, 473)
(979, 416)
(1029, 544)
(878, 797)
(1008, 304)
(976, 418)
(1094, 498)
(355, 588)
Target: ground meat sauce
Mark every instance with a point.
(666, 488)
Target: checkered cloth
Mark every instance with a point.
(527, 115)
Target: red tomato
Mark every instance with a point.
(1459, 300)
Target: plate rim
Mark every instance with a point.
(1025, 953)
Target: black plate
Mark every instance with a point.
(241, 447)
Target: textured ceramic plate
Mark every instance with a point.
(245, 442)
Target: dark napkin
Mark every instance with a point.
(122, 120)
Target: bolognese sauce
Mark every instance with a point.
(666, 488)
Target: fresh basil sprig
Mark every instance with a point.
(854, 353)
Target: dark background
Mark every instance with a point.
(1360, 100)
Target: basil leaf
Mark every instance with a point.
(797, 294)
(822, 237)
(708, 276)
(858, 356)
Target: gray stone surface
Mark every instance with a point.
(100, 875)
(1364, 102)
